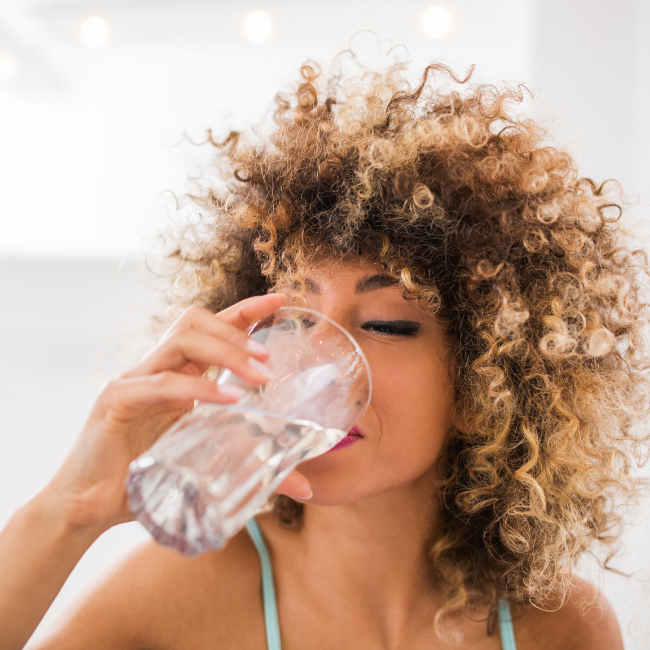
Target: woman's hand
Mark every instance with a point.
(135, 409)
(46, 537)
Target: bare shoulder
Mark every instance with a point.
(157, 598)
(586, 622)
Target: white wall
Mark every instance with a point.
(82, 165)
(66, 327)
(592, 76)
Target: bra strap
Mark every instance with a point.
(271, 610)
(505, 626)
(268, 588)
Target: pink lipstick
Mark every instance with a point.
(353, 435)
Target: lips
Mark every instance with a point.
(353, 435)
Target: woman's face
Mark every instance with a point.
(412, 403)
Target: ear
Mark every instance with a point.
(460, 423)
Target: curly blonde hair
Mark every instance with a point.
(445, 188)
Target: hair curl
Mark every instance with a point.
(468, 205)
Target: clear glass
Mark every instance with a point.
(211, 472)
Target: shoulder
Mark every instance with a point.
(585, 622)
(158, 598)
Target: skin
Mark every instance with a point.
(352, 576)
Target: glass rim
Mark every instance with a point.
(349, 336)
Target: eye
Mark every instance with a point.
(290, 324)
(392, 327)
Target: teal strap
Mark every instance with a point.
(268, 589)
(271, 609)
(505, 626)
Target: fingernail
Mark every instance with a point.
(260, 367)
(258, 348)
(232, 391)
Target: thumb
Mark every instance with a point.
(295, 486)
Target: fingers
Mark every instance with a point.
(246, 312)
(201, 339)
(205, 321)
(190, 346)
(137, 392)
(295, 486)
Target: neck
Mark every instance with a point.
(374, 551)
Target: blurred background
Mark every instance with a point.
(98, 103)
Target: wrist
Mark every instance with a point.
(57, 518)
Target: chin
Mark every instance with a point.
(344, 477)
(333, 485)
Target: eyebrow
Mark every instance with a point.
(363, 285)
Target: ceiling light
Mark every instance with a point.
(437, 21)
(258, 26)
(95, 31)
(8, 67)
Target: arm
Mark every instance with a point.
(48, 535)
(38, 550)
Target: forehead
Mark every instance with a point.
(356, 276)
(359, 281)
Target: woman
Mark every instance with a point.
(501, 311)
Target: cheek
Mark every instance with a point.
(414, 406)
(410, 414)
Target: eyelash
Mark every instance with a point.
(394, 329)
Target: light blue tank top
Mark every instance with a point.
(271, 609)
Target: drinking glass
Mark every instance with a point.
(205, 477)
